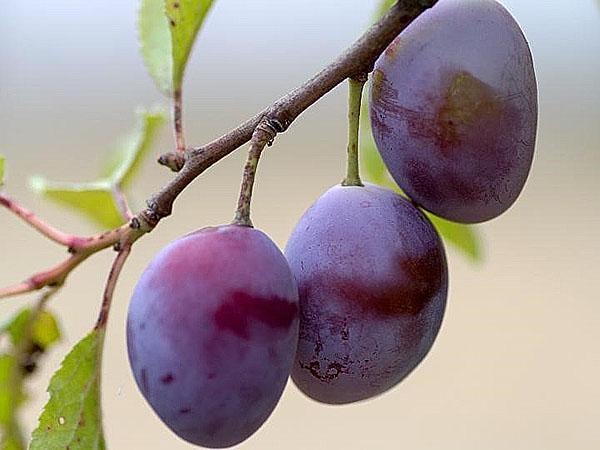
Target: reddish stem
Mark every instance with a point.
(111, 283)
(26, 215)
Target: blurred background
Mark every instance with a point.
(517, 362)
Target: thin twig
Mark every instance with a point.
(53, 277)
(111, 283)
(38, 224)
(83, 249)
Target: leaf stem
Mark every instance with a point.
(263, 135)
(178, 120)
(122, 203)
(355, 89)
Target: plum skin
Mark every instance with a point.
(212, 328)
(373, 281)
(454, 110)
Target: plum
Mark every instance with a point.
(373, 281)
(454, 110)
(212, 329)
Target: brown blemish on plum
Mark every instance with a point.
(332, 371)
(423, 278)
(241, 309)
(466, 104)
(167, 379)
(185, 410)
(466, 101)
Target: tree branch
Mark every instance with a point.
(358, 59)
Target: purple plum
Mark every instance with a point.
(212, 329)
(373, 281)
(454, 110)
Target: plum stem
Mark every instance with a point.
(263, 135)
(355, 90)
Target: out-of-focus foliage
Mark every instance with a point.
(96, 199)
(168, 30)
(30, 333)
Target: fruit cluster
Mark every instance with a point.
(221, 318)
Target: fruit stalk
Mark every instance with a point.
(263, 135)
(355, 90)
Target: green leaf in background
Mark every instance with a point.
(126, 160)
(462, 237)
(29, 330)
(95, 199)
(44, 329)
(155, 40)
(185, 19)
(384, 5)
(11, 397)
(1, 170)
(168, 30)
(72, 418)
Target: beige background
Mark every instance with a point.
(517, 363)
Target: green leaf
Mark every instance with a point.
(95, 199)
(44, 329)
(168, 30)
(185, 19)
(1, 170)
(463, 237)
(8, 397)
(23, 330)
(72, 418)
(155, 39)
(127, 158)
